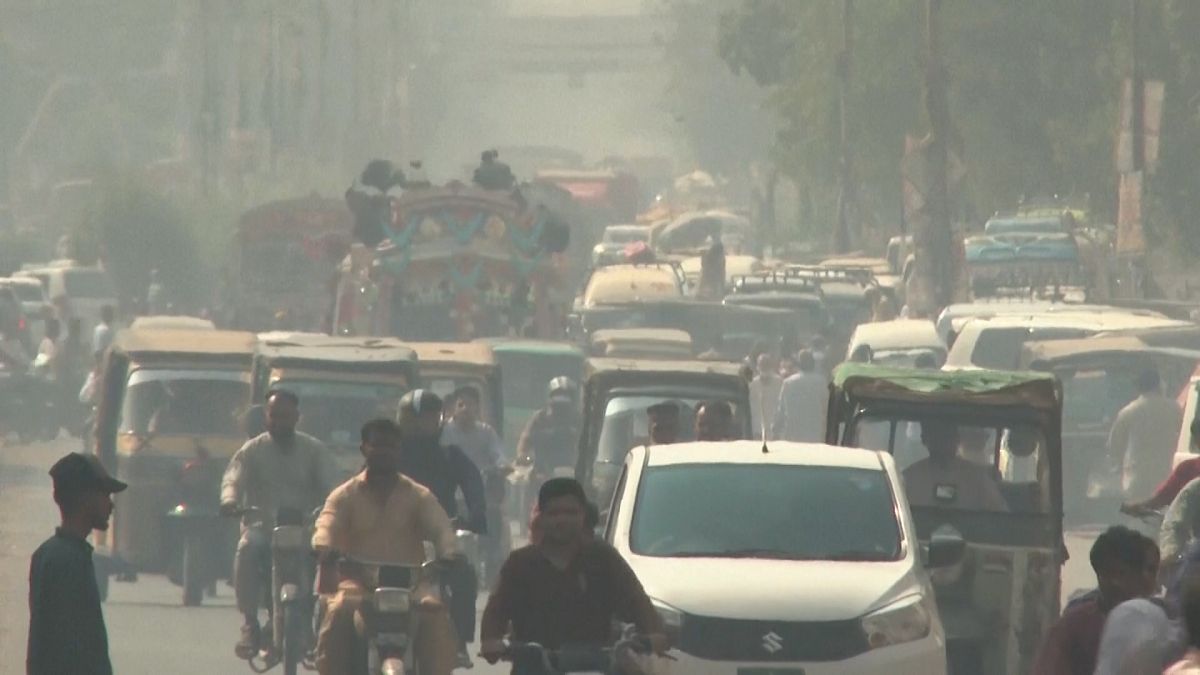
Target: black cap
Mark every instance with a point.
(560, 487)
(78, 472)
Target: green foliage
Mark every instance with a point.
(132, 230)
(1033, 84)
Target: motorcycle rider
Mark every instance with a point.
(549, 439)
(466, 430)
(381, 514)
(567, 589)
(445, 470)
(279, 469)
(483, 446)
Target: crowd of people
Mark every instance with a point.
(565, 588)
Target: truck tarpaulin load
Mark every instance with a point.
(455, 263)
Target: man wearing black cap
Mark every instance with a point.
(66, 625)
(566, 589)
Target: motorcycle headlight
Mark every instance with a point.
(392, 600)
(672, 619)
(908, 620)
(288, 537)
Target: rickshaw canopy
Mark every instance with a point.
(866, 382)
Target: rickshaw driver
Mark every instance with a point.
(945, 479)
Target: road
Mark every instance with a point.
(148, 630)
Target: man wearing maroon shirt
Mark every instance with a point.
(1126, 565)
(567, 589)
(1187, 471)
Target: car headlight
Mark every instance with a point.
(672, 619)
(905, 621)
(598, 249)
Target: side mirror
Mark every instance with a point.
(946, 548)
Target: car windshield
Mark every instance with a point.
(1000, 348)
(627, 426)
(766, 511)
(527, 376)
(335, 411)
(184, 403)
(973, 467)
(87, 284)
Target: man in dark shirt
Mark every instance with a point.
(1126, 565)
(445, 470)
(66, 625)
(567, 589)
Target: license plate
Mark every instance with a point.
(770, 671)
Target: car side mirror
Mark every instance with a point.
(946, 548)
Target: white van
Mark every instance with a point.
(87, 289)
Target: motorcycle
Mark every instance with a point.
(197, 530)
(530, 658)
(390, 618)
(290, 600)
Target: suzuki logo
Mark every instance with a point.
(772, 642)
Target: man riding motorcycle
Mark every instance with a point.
(381, 514)
(279, 469)
(549, 440)
(567, 589)
(445, 470)
(482, 444)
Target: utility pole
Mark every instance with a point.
(938, 243)
(846, 193)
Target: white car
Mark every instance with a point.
(900, 342)
(802, 559)
(996, 343)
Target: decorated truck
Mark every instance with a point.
(286, 253)
(456, 263)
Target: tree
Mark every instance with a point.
(132, 230)
(1033, 86)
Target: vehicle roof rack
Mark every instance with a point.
(862, 276)
(773, 281)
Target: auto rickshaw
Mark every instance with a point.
(167, 424)
(1098, 376)
(1002, 430)
(642, 343)
(528, 366)
(728, 330)
(616, 394)
(342, 382)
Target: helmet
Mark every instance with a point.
(562, 387)
(419, 401)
